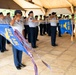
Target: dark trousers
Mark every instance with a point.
(37, 31)
(49, 29)
(53, 35)
(59, 31)
(17, 56)
(41, 29)
(29, 39)
(2, 43)
(33, 36)
(26, 31)
(44, 28)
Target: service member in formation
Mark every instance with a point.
(53, 23)
(32, 27)
(41, 26)
(18, 24)
(2, 39)
(37, 23)
(26, 25)
(59, 31)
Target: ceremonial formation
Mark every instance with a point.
(38, 35)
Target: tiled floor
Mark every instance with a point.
(62, 59)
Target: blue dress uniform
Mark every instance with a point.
(19, 25)
(32, 32)
(2, 39)
(53, 31)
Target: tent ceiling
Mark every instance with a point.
(26, 5)
(9, 4)
(55, 3)
(73, 2)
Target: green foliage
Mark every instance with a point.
(5, 11)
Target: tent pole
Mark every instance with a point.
(72, 38)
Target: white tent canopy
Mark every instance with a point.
(40, 6)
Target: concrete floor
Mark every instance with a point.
(62, 59)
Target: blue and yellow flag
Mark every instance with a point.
(8, 33)
(16, 39)
(65, 26)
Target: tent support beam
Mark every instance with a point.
(72, 9)
(47, 12)
(69, 9)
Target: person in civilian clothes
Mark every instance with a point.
(36, 18)
(53, 22)
(32, 26)
(8, 18)
(18, 24)
(2, 39)
(26, 27)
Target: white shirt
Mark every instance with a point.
(8, 19)
(26, 23)
(3, 21)
(53, 22)
(31, 24)
(36, 23)
(19, 25)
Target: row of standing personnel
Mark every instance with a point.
(48, 25)
(31, 27)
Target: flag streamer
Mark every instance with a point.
(18, 41)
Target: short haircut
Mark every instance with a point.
(36, 16)
(8, 13)
(1, 13)
(53, 13)
(18, 12)
(30, 12)
(40, 15)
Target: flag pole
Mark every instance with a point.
(72, 39)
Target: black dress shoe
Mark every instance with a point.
(18, 67)
(60, 36)
(35, 47)
(41, 35)
(2, 51)
(6, 50)
(22, 65)
(55, 45)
